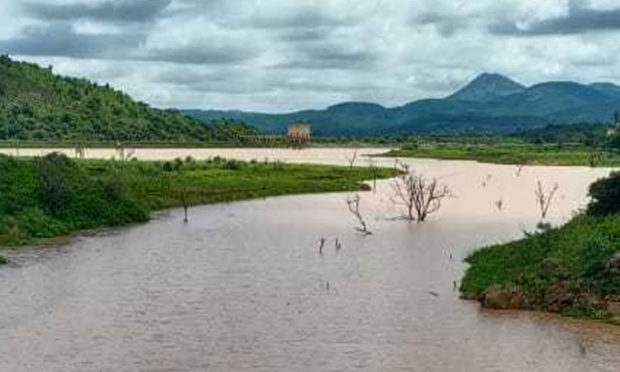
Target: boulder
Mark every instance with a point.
(501, 297)
(365, 187)
(558, 296)
(614, 308)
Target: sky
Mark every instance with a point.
(286, 55)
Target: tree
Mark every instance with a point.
(420, 196)
(186, 196)
(354, 207)
(54, 187)
(351, 158)
(544, 199)
(605, 195)
(372, 164)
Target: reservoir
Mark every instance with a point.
(243, 287)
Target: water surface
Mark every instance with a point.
(243, 287)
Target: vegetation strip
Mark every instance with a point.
(512, 153)
(55, 196)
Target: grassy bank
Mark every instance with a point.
(55, 196)
(511, 153)
(573, 269)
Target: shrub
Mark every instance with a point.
(54, 186)
(605, 196)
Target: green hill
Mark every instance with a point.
(490, 103)
(38, 105)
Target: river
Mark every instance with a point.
(243, 287)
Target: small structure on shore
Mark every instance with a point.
(299, 135)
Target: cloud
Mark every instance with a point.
(109, 10)
(283, 55)
(61, 40)
(195, 54)
(322, 57)
(579, 19)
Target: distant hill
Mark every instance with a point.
(487, 87)
(491, 102)
(36, 104)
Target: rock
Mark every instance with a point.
(500, 297)
(614, 308)
(365, 187)
(558, 297)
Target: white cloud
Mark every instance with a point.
(281, 55)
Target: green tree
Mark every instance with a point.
(605, 196)
(53, 170)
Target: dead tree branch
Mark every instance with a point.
(420, 196)
(354, 207)
(544, 199)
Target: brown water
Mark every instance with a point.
(243, 287)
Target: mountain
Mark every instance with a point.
(490, 103)
(607, 88)
(36, 104)
(487, 87)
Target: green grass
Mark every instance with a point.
(573, 257)
(512, 153)
(42, 198)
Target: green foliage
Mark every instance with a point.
(605, 196)
(54, 171)
(36, 105)
(54, 195)
(590, 135)
(510, 152)
(575, 256)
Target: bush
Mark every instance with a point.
(605, 196)
(54, 181)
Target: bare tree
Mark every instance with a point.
(354, 207)
(352, 157)
(420, 196)
(186, 197)
(520, 166)
(374, 168)
(185, 202)
(544, 199)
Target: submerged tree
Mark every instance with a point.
(544, 199)
(185, 202)
(186, 196)
(354, 207)
(421, 196)
(352, 157)
(374, 168)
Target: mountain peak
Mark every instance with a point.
(487, 87)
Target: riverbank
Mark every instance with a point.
(511, 153)
(55, 196)
(573, 270)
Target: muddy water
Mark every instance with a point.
(243, 287)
